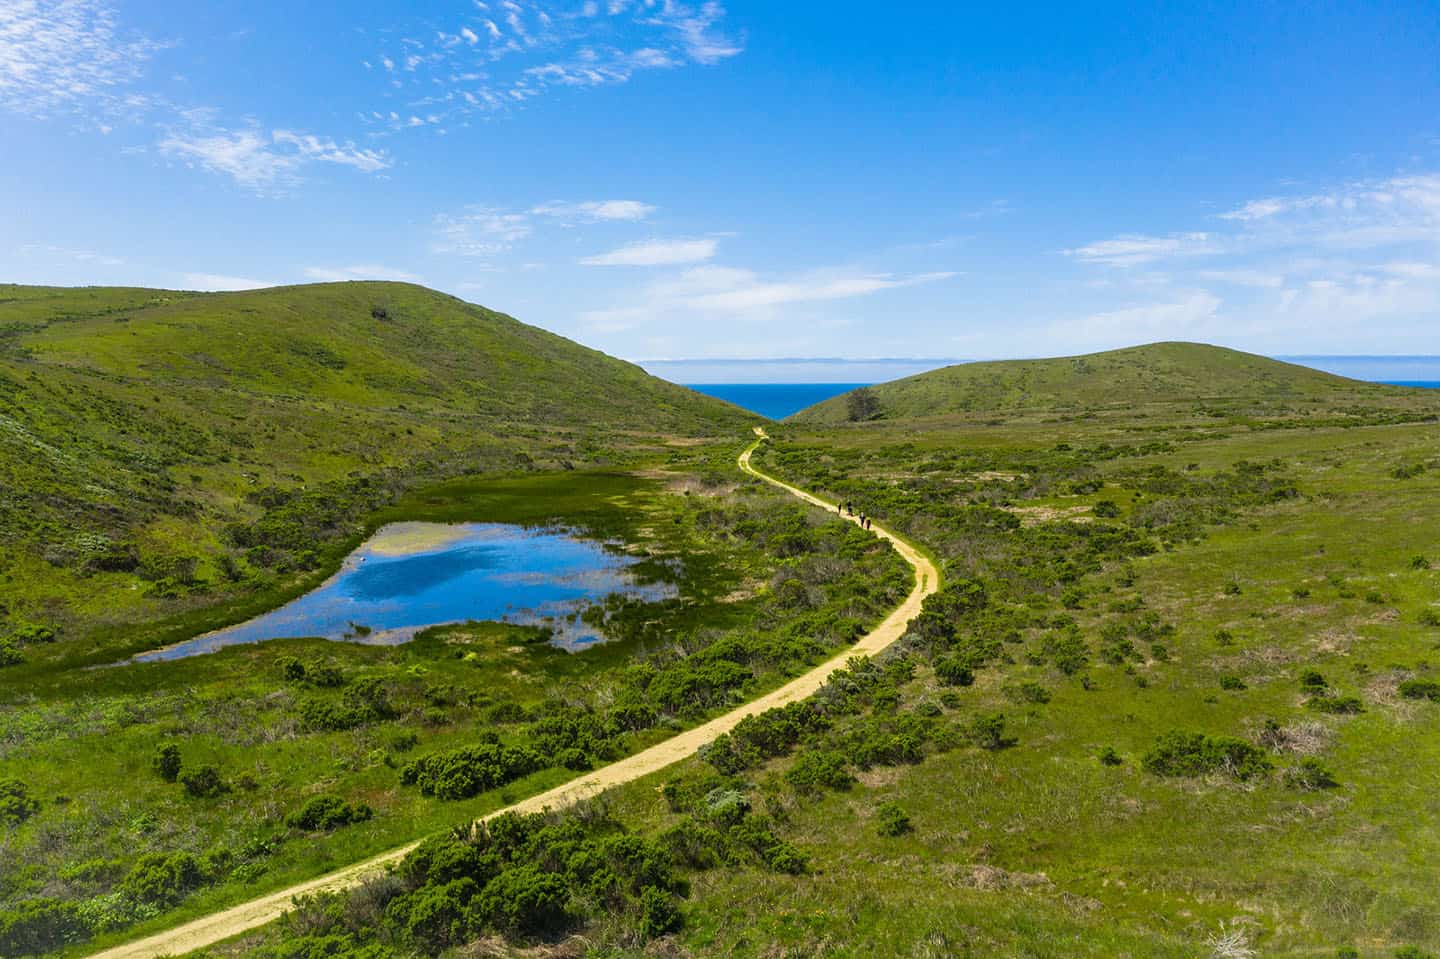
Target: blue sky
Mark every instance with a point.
(698, 181)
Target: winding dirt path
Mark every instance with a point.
(222, 925)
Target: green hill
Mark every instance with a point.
(1157, 373)
(140, 428)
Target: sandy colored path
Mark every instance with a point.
(219, 926)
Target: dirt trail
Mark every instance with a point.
(219, 926)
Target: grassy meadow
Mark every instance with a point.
(1179, 694)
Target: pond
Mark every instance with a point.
(412, 576)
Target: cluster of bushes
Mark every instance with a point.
(1421, 689)
(471, 770)
(1322, 698)
(297, 522)
(519, 876)
(16, 803)
(157, 881)
(1179, 753)
(327, 813)
(721, 829)
(360, 703)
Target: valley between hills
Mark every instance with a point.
(1153, 670)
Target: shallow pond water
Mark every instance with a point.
(411, 576)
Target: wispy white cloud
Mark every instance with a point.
(479, 231)
(655, 253)
(1135, 249)
(595, 210)
(730, 291)
(215, 282)
(68, 56)
(264, 161)
(1357, 260)
(500, 55)
(335, 274)
(483, 231)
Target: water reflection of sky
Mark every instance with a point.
(413, 576)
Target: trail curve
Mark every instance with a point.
(227, 923)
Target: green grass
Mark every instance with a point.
(1041, 849)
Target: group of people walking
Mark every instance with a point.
(848, 509)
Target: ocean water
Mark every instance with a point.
(1426, 384)
(774, 400)
(411, 576)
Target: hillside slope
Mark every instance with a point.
(1156, 373)
(139, 429)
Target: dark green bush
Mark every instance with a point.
(1109, 757)
(470, 770)
(166, 762)
(1178, 753)
(40, 927)
(16, 803)
(1313, 681)
(1429, 617)
(1421, 689)
(953, 671)
(203, 782)
(891, 820)
(163, 879)
(327, 813)
(988, 731)
(814, 771)
(1231, 682)
(659, 914)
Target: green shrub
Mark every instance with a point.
(1421, 689)
(327, 813)
(1231, 682)
(1430, 617)
(814, 771)
(891, 820)
(1106, 509)
(203, 782)
(658, 913)
(1178, 753)
(988, 731)
(16, 803)
(953, 671)
(40, 927)
(166, 762)
(10, 654)
(1313, 681)
(1028, 692)
(1109, 757)
(470, 770)
(524, 899)
(163, 879)
(1412, 952)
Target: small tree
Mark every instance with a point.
(988, 731)
(891, 820)
(167, 762)
(203, 783)
(862, 404)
